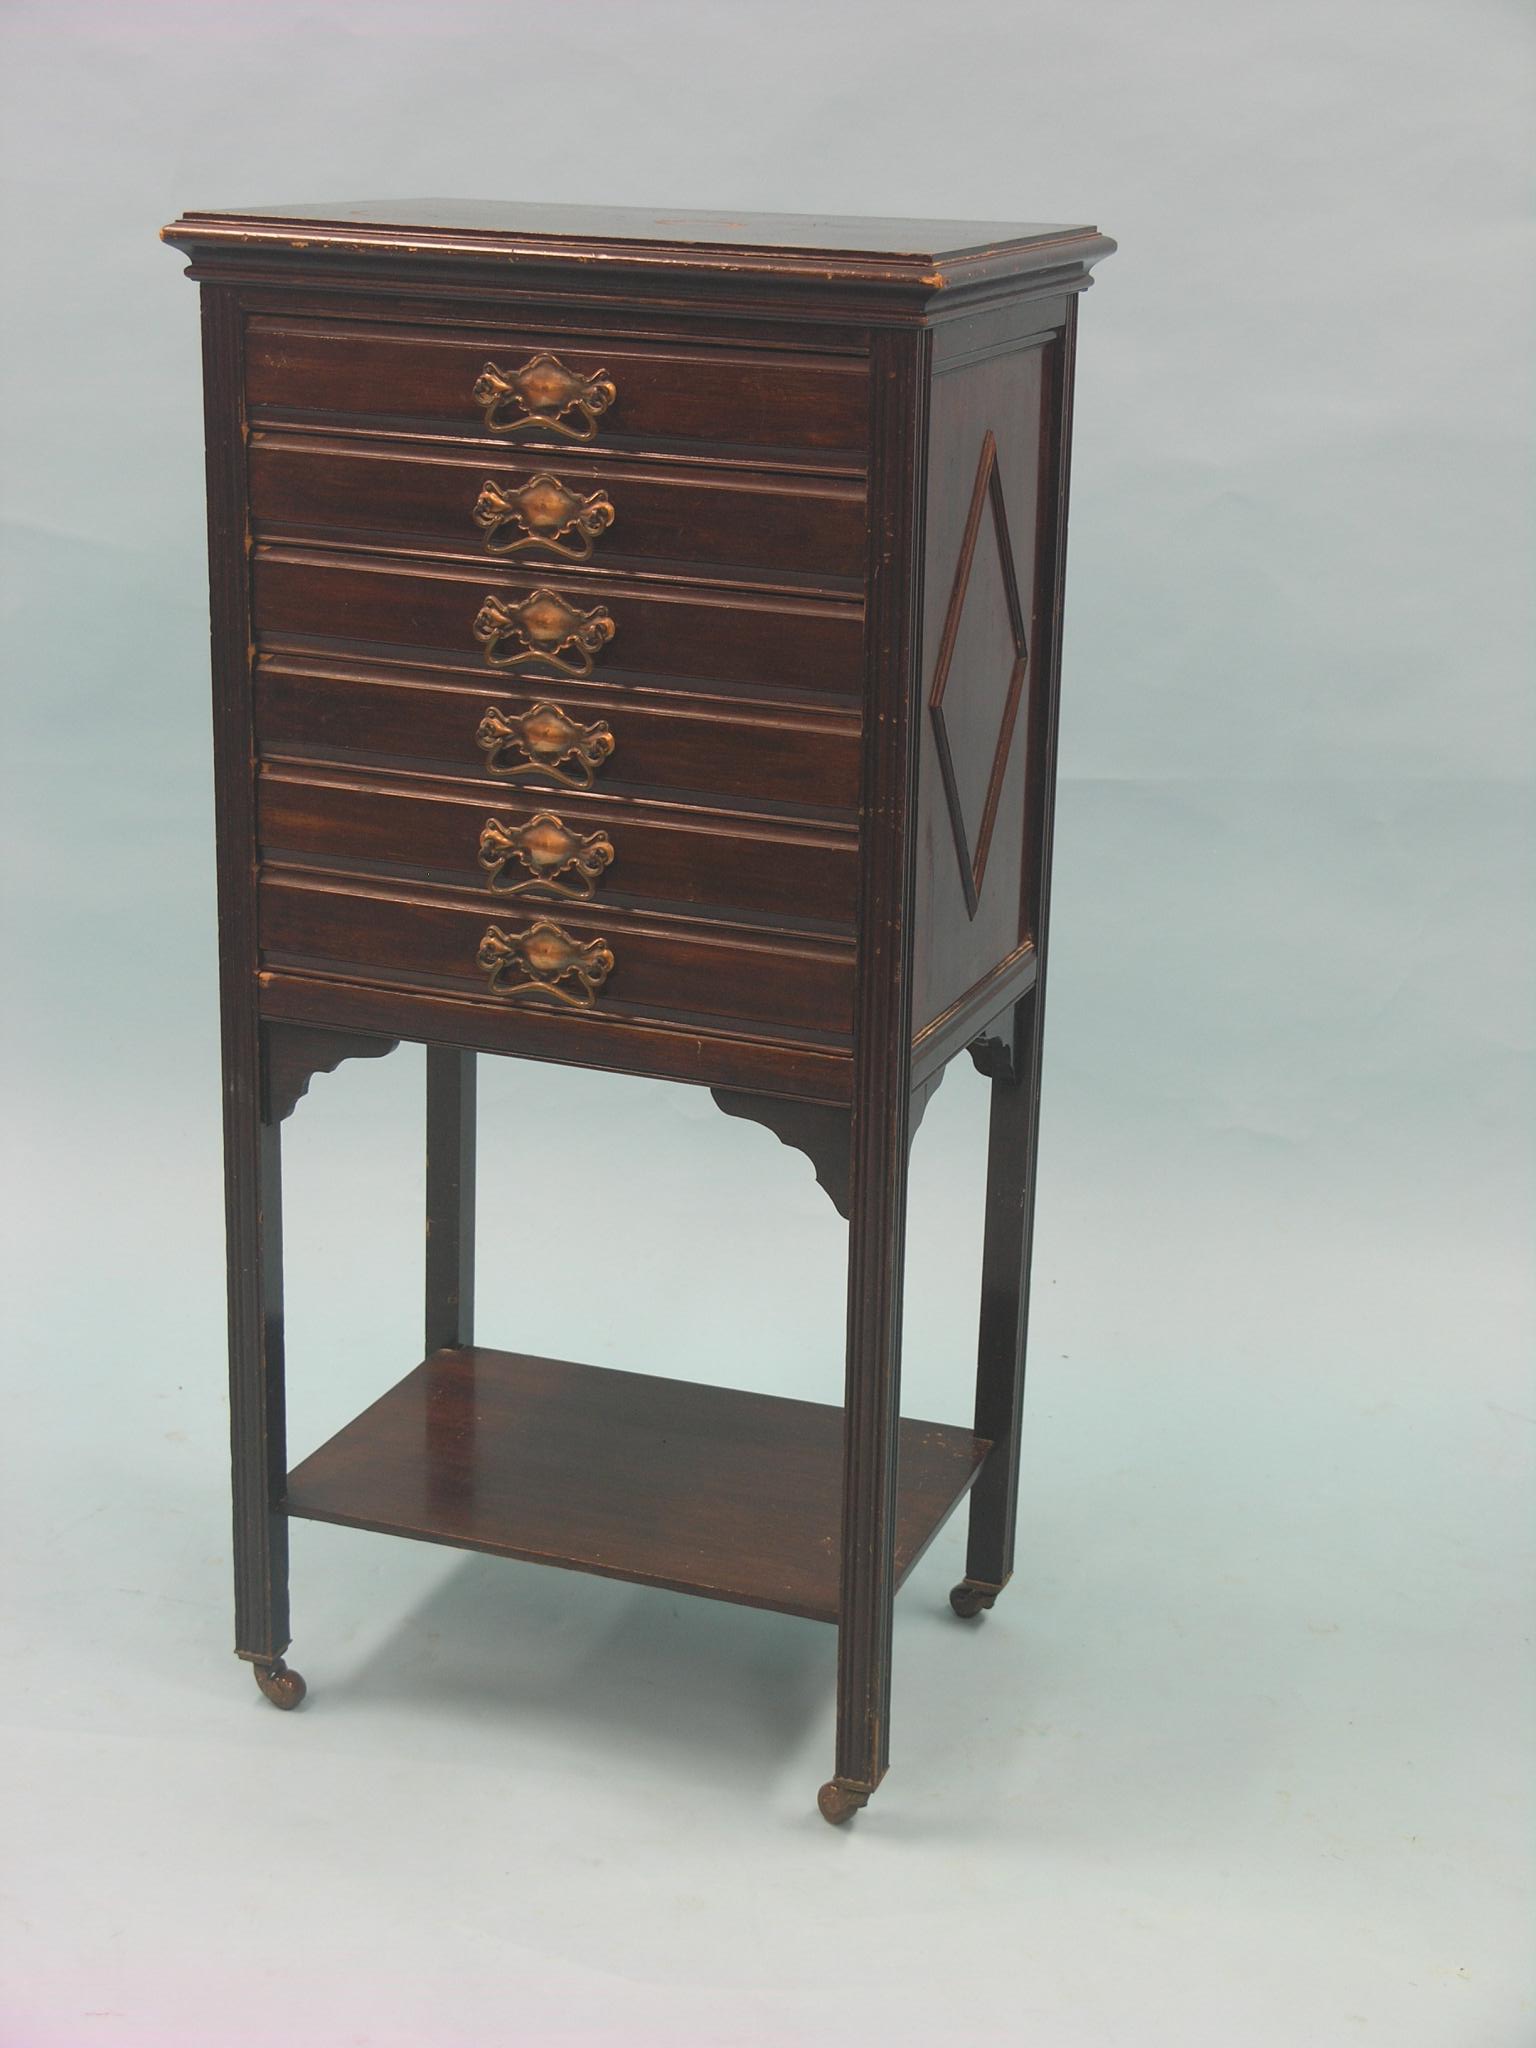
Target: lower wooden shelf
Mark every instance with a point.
(700, 1489)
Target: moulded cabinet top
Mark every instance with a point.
(927, 254)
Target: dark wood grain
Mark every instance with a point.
(718, 524)
(659, 230)
(664, 637)
(955, 1026)
(294, 1054)
(730, 398)
(698, 1489)
(663, 967)
(803, 759)
(439, 298)
(636, 251)
(802, 876)
(973, 789)
(822, 1134)
(725, 1055)
(808, 794)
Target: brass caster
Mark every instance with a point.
(839, 1802)
(284, 1688)
(968, 1599)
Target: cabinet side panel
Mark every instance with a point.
(985, 641)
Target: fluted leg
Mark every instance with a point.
(258, 1438)
(876, 1241)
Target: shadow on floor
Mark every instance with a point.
(600, 1663)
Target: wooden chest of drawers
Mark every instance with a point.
(636, 645)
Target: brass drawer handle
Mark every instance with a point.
(547, 849)
(547, 958)
(546, 511)
(541, 394)
(541, 628)
(547, 740)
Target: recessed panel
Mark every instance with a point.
(980, 620)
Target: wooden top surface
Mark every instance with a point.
(825, 246)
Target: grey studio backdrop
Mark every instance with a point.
(1238, 1756)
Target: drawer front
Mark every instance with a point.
(530, 390)
(486, 619)
(564, 960)
(735, 752)
(532, 851)
(550, 514)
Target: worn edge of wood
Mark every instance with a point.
(1076, 248)
(600, 297)
(953, 1028)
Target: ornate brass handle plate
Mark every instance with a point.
(544, 393)
(549, 742)
(548, 850)
(546, 958)
(544, 513)
(542, 628)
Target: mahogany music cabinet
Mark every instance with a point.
(635, 645)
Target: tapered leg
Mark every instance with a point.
(450, 1198)
(253, 1153)
(1005, 1263)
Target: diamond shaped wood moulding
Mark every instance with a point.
(986, 495)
